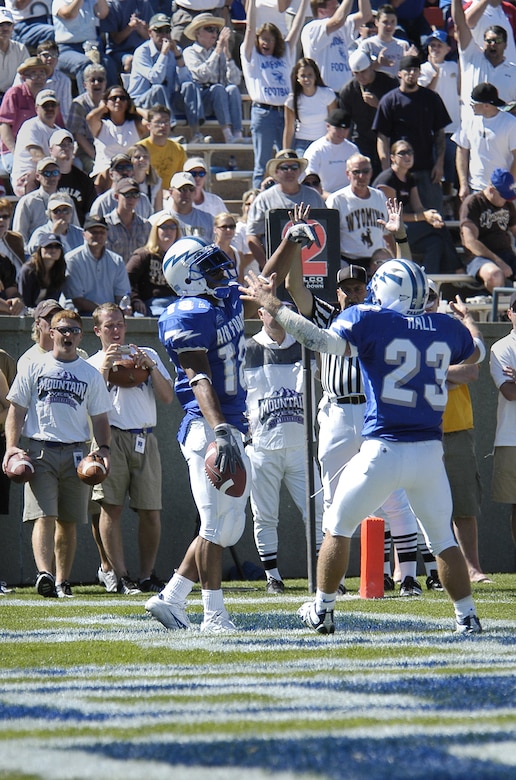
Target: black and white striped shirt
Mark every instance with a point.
(340, 376)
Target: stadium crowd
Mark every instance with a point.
(349, 109)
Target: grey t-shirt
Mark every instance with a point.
(275, 198)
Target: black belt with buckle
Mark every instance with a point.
(352, 399)
(268, 107)
(133, 430)
(55, 444)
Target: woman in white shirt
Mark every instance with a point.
(307, 107)
(267, 61)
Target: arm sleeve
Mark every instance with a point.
(309, 334)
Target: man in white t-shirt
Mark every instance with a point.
(482, 65)
(52, 401)
(327, 38)
(328, 155)
(360, 208)
(484, 142)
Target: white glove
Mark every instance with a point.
(302, 233)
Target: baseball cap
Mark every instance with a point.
(120, 158)
(438, 35)
(358, 61)
(94, 220)
(59, 199)
(42, 164)
(486, 93)
(59, 136)
(6, 16)
(194, 162)
(503, 181)
(126, 185)
(159, 20)
(161, 218)
(47, 307)
(338, 118)
(46, 96)
(46, 239)
(352, 272)
(179, 180)
(410, 61)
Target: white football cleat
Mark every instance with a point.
(217, 623)
(171, 614)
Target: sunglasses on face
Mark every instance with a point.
(198, 174)
(291, 167)
(132, 194)
(362, 172)
(124, 167)
(227, 227)
(211, 29)
(168, 226)
(162, 30)
(122, 98)
(73, 330)
(51, 174)
(405, 153)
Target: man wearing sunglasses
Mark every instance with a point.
(31, 210)
(486, 64)
(127, 231)
(206, 201)
(287, 170)
(52, 401)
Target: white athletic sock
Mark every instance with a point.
(212, 601)
(464, 608)
(177, 589)
(324, 602)
(274, 573)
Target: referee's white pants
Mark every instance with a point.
(269, 468)
(222, 516)
(382, 467)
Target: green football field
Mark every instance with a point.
(92, 687)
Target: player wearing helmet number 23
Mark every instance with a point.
(404, 356)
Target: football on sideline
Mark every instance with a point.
(20, 468)
(230, 484)
(92, 470)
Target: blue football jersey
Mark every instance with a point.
(218, 329)
(404, 365)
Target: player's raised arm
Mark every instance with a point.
(260, 290)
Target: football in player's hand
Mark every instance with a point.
(125, 374)
(230, 484)
(92, 469)
(20, 468)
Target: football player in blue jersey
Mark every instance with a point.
(404, 354)
(203, 332)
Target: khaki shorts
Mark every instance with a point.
(461, 465)
(132, 472)
(55, 489)
(503, 487)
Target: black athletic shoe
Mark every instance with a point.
(46, 585)
(388, 582)
(433, 582)
(151, 584)
(127, 587)
(410, 587)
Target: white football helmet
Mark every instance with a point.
(400, 285)
(191, 265)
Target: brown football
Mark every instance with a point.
(125, 374)
(228, 483)
(20, 468)
(92, 470)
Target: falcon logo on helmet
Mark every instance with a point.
(400, 285)
(193, 267)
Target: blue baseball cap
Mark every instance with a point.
(503, 181)
(438, 35)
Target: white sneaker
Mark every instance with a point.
(217, 623)
(108, 579)
(197, 138)
(470, 625)
(171, 614)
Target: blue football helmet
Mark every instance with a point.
(193, 267)
(400, 285)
